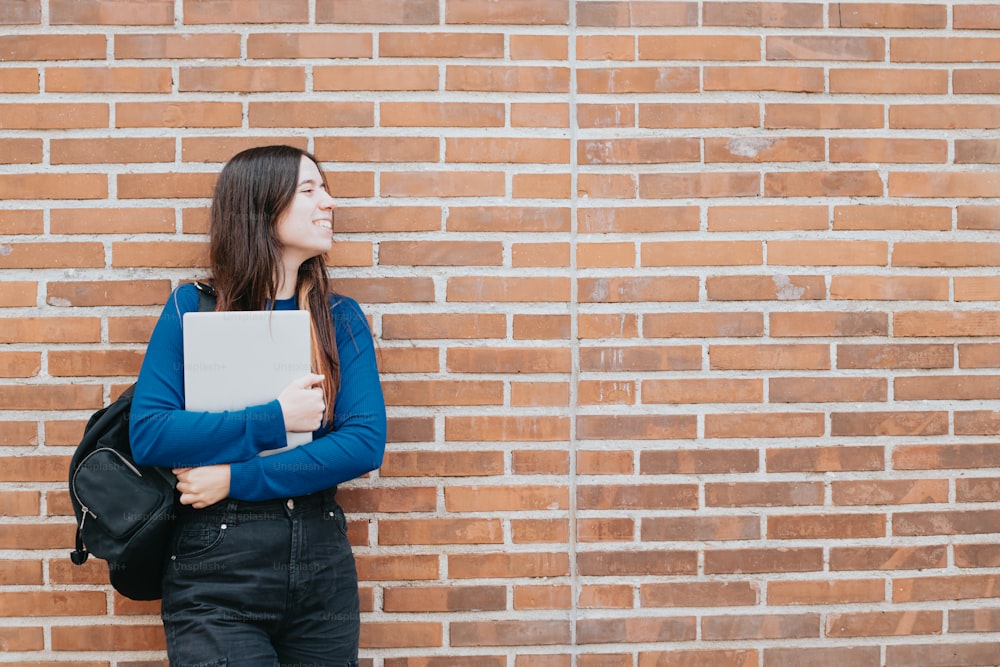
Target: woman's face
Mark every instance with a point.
(305, 228)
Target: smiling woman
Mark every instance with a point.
(246, 521)
(306, 226)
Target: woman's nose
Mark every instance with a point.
(327, 201)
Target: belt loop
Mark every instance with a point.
(329, 501)
(229, 518)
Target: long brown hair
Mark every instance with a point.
(254, 189)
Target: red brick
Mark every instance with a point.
(823, 184)
(765, 288)
(827, 253)
(506, 499)
(702, 391)
(507, 429)
(440, 531)
(888, 423)
(18, 293)
(644, 496)
(109, 638)
(20, 151)
(699, 115)
(533, 531)
(763, 14)
(47, 603)
(826, 459)
(52, 47)
(506, 150)
(887, 558)
(773, 357)
(176, 46)
(766, 425)
(938, 653)
(900, 151)
(530, 12)
(636, 563)
(53, 186)
(960, 587)
(442, 184)
(619, 80)
(605, 115)
(244, 11)
(700, 529)
(440, 45)
(538, 47)
(755, 149)
(393, 12)
(636, 427)
(766, 218)
(518, 79)
(699, 594)
(829, 324)
(809, 47)
(444, 598)
(310, 114)
(887, 15)
(769, 626)
(96, 363)
(540, 114)
(241, 79)
(178, 114)
(605, 47)
(442, 392)
(840, 591)
(759, 78)
(944, 49)
(520, 564)
(508, 290)
(376, 635)
(699, 47)
(863, 656)
(637, 14)
(750, 561)
(701, 253)
(889, 81)
(698, 462)
(23, 638)
(21, 12)
(442, 114)
(938, 323)
(763, 494)
(108, 80)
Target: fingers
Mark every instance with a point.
(311, 380)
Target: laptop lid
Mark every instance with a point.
(236, 359)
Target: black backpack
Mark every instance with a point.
(124, 511)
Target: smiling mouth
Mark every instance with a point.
(325, 224)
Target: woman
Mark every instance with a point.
(260, 571)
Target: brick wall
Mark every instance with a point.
(686, 311)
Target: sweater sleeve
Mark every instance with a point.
(163, 433)
(354, 444)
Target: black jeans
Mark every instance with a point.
(264, 584)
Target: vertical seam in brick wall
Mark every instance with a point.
(574, 306)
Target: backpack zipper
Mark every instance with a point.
(86, 510)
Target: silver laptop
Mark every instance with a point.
(236, 359)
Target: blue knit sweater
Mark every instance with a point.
(164, 434)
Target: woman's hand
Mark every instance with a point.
(302, 404)
(203, 486)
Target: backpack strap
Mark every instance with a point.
(206, 296)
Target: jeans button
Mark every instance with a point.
(290, 504)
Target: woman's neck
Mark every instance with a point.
(287, 282)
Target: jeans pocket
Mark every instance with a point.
(197, 539)
(221, 662)
(339, 520)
